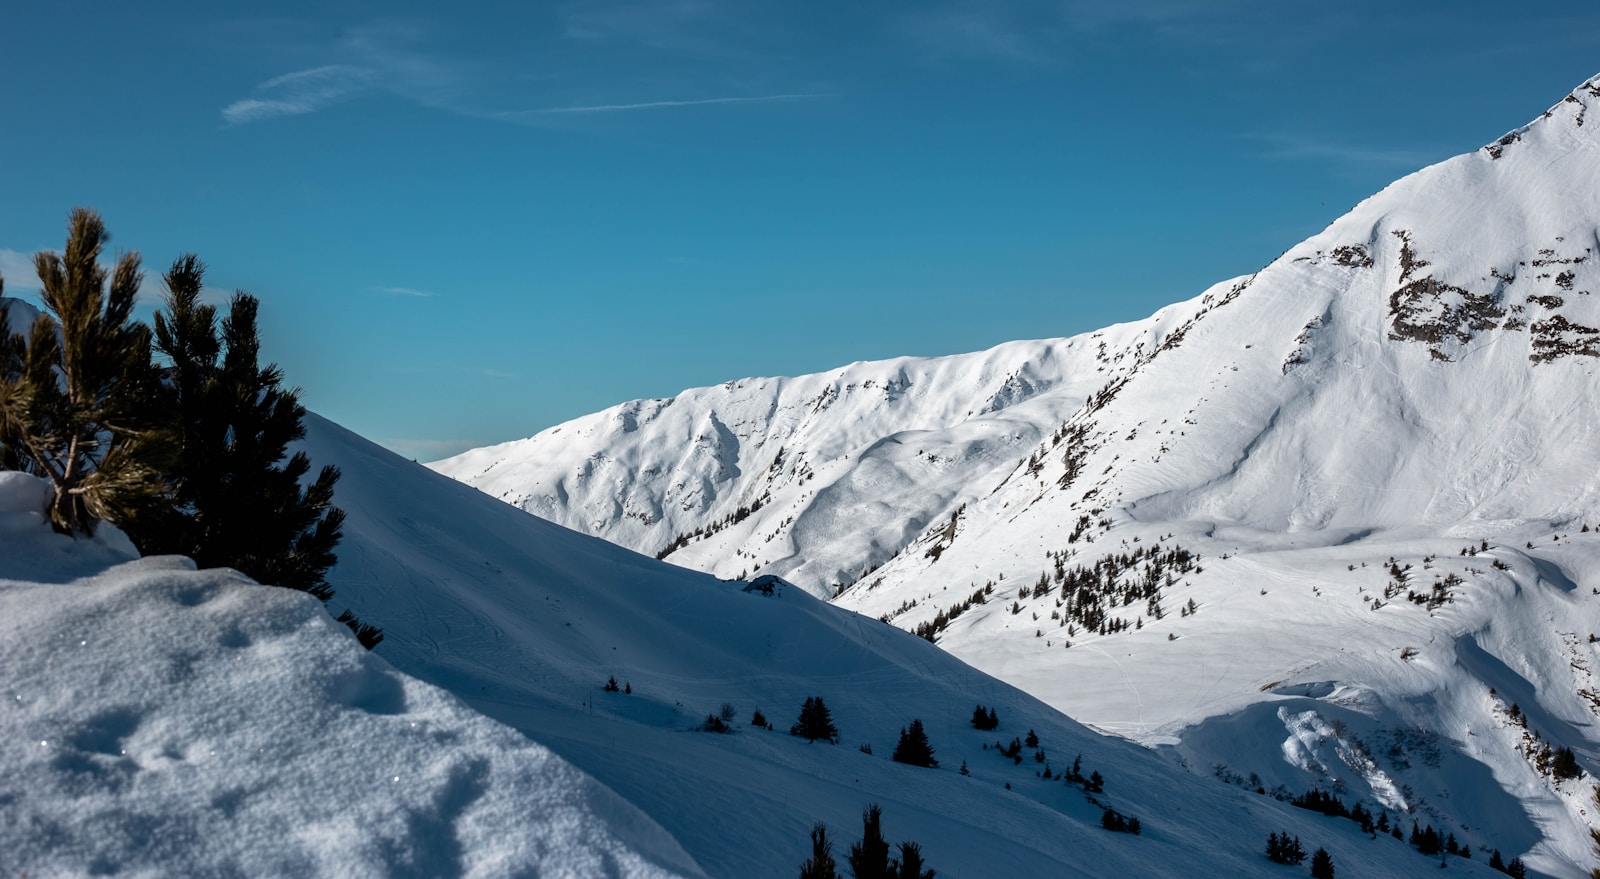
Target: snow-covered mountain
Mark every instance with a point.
(1333, 518)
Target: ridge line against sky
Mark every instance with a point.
(466, 228)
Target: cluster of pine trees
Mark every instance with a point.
(914, 748)
(1284, 849)
(179, 437)
(1089, 595)
(869, 858)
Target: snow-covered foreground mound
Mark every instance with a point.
(161, 721)
(527, 621)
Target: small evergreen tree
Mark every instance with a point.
(909, 865)
(821, 864)
(1032, 740)
(815, 722)
(869, 858)
(914, 748)
(1565, 764)
(1321, 865)
(79, 400)
(241, 498)
(1497, 862)
(984, 719)
(1516, 869)
(611, 685)
(758, 719)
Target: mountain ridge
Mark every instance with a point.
(1356, 486)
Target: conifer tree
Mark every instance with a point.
(242, 500)
(821, 864)
(1321, 865)
(78, 401)
(914, 748)
(909, 865)
(815, 722)
(869, 858)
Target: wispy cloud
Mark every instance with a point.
(380, 57)
(416, 64)
(304, 91)
(17, 268)
(404, 291)
(658, 105)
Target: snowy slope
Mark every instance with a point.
(1414, 381)
(159, 721)
(526, 620)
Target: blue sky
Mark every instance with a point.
(470, 222)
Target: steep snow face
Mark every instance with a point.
(1326, 524)
(161, 721)
(527, 621)
(818, 478)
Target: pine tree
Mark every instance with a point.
(1032, 740)
(1516, 869)
(1321, 865)
(984, 719)
(914, 748)
(821, 864)
(815, 722)
(1497, 862)
(1565, 764)
(869, 858)
(79, 401)
(909, 865)
(240, 504)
